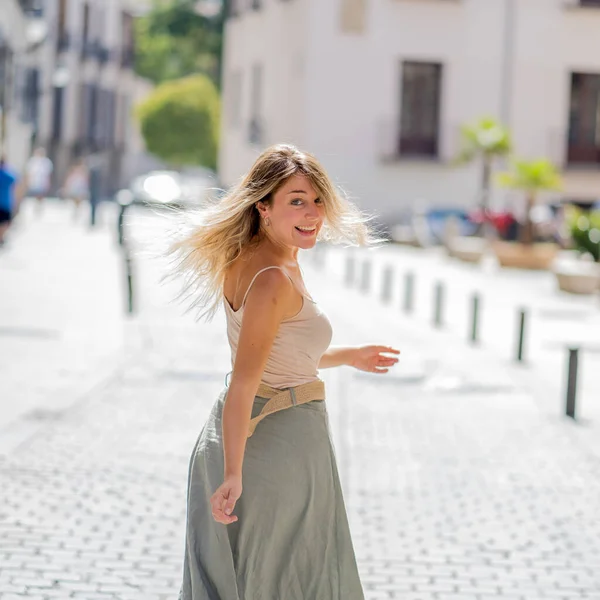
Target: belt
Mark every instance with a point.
(286, 398)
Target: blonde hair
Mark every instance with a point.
(231, 225)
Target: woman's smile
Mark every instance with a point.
(306, 231)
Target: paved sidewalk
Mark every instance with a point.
(457, 485)
(62, 321)
(555, 321)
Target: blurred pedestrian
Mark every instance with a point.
(289, 536)
(39, 175)
(77, 184)
(8, 199)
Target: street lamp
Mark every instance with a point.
(61, 77)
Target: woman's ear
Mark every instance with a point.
(262, 208)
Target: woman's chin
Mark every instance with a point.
(307, 244)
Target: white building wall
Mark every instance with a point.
(352, 123)
(552, 41)
(105, 26)
(276, 37)
(349, 101)
(17, 135)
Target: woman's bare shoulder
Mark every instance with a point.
(259, 274)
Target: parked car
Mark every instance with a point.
(188, 188)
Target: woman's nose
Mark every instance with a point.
(312, 211)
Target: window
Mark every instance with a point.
(255, 134)
(32, 8)
(233, 7)
(234, 98)
(127, 40)
(31, 92)
(419, 117)
(62, 35)
(85, 41)
(57, 113)
(584, 119)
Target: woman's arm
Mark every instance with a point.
(372, 359)
(336, 357)
(267, 305)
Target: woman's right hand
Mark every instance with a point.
(223, 500)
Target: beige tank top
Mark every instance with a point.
(298, 345)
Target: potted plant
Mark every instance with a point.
(532, 177)
(486, 140)
(582, 275)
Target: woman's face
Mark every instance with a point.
(295, 215)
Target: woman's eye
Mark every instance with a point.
(297, 202)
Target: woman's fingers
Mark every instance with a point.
(387, 349)
(218, 506)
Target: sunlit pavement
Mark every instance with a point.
(458, 483)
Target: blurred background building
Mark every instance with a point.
(71, 86)
(379, 89)
(22, 32)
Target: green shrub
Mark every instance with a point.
(180, 121)
(585, 231)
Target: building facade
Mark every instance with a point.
(88, 89)
(21, 34)
(378, 90)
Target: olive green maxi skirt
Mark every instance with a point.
(291, 540)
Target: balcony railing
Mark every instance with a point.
(393, 144)
(571, 153)
(583, 154)
(32, 8)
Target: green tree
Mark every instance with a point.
(485, 140)
(532, 177)
(180, 121)
(174, 40)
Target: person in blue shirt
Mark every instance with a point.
(8, 179)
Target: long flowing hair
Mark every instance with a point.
(229, 227)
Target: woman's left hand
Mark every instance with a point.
(373, 359)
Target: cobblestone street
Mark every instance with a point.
(455, 491)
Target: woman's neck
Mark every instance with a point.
(277, 250)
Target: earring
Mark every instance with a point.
(267, 221)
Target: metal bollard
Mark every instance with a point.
(409, 292)
(475, 318)
(572, 382)
(350, 273)
(365, 280)
(124, 199)
(121, 224)
(386, 286)
(439, 304)
(129, 275)
(521, 335)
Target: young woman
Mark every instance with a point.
(286, 537)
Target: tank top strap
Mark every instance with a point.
(258, 273)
